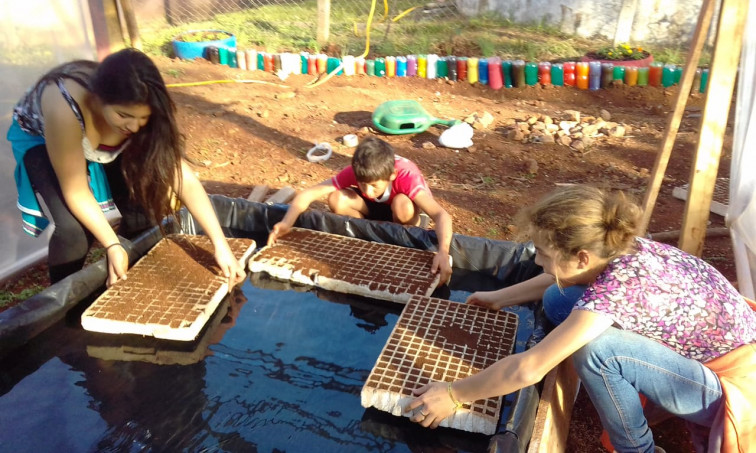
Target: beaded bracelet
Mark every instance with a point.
(457, 404)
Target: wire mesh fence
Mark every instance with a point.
(292, 25)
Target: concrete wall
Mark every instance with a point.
(35, 35)
(647, 21)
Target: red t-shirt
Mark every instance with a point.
(408, 181)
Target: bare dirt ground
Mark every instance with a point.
(242, 135)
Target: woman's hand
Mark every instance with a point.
(229, 265)
(485, 299)
(118, 264)
(431, 405)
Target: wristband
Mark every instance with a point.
(113, 245)
(457, 404)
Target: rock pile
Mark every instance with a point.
(570, 129)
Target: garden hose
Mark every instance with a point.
(209, 82)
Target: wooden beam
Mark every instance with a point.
(284, 195)
(131, 23)
(673, 121)
(106, 27)
(625, 22)
(552, 423)
(324, 21)
(724, 70)
(258, 193)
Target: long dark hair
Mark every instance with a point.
(151, 162)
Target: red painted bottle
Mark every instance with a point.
(268, 61)
(461, 68)
(494, 73)
(312, 64)
(544, 73)
(569, 73)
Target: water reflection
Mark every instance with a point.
(278, 368)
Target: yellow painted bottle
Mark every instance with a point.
(422, 65)
(472, 70)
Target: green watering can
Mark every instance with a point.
(405, 117)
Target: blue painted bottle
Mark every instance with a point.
(401, 66)
(594, 75)
(506, 71)
(483, 71)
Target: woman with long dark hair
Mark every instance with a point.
(90, 136)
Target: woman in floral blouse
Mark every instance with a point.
(650, 318)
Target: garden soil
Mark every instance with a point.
(239, 135)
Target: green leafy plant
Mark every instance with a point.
(203, 36)
(622, 52)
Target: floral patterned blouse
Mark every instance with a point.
(675, 298)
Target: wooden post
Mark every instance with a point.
(625, 21)
(724, 70)
(552, 423)
(673, 121)
(131, 23)
(324, 21)
(106, 27)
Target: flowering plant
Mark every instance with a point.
(622, 52)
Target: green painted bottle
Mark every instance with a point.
(506, 69)
(380, 67)
(442, 68)
(531, 73)
(223, 55)
(642, 77)
(557, 74)
(618, 74)
(370, 67)
(668, 75)
(332, 64)
(704, 80)
(678, 74)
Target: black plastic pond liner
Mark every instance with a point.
(509, 262)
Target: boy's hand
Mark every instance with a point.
(441, 265)
(279, 229)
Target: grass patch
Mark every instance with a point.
(9, 298)
(277, 28)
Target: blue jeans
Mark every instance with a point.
(618, 365)
(558, 303)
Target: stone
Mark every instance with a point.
(572, 115)
(605, 115)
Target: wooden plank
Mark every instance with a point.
(131, 23)
(673, 121)
(625, 22)
(724, 70)
(552, 424)
(284, 195)
(324, 21)
(258, 194)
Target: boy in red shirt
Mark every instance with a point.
(379, 186)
